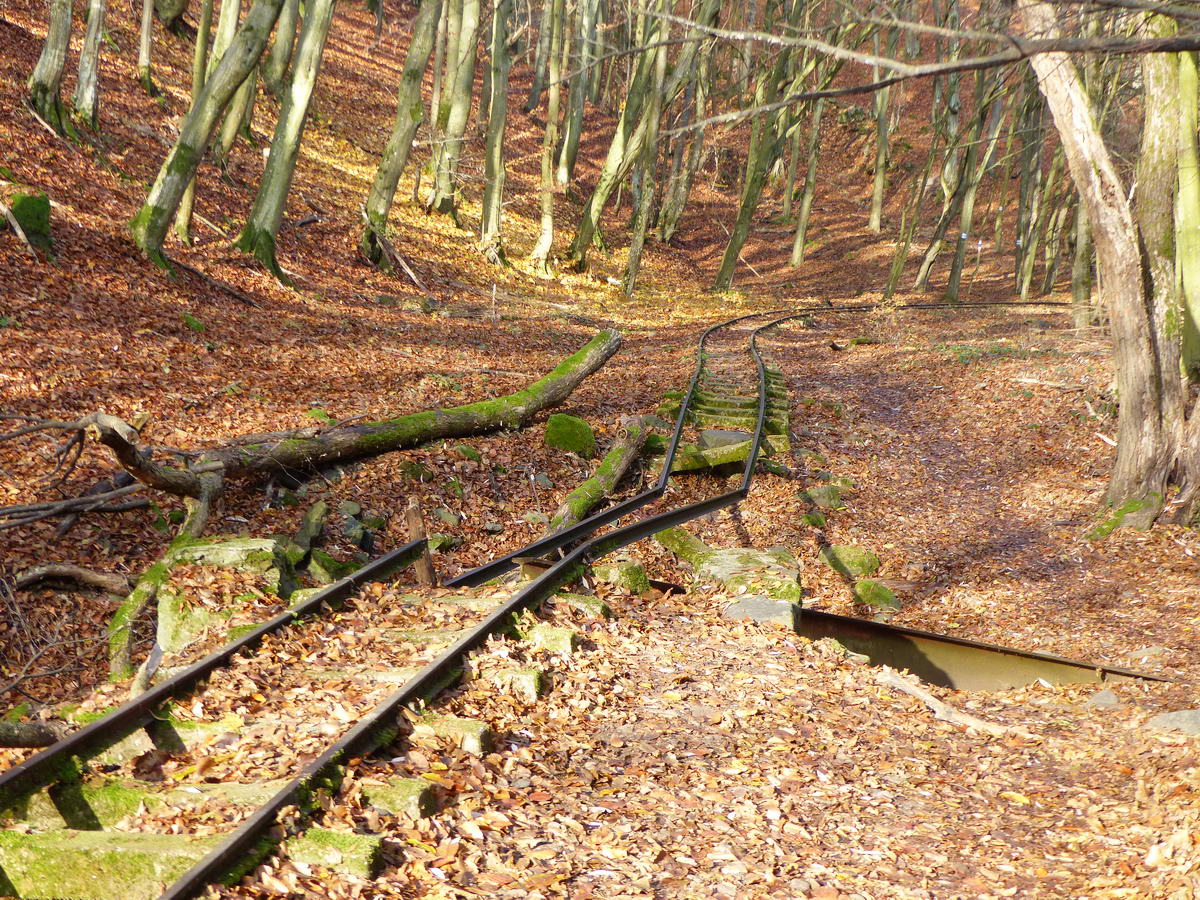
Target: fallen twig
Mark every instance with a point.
(111, 582)
(215, 282)
(944, 711)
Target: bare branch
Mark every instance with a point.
(111, 582)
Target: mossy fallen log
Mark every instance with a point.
(625, 449)
(313, 448)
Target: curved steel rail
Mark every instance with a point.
(597, 520)
(47, 766)
(377, 726)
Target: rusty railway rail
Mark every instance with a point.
(580, 546)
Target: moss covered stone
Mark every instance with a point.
(572, 434)
(98, 865)
(412, 797)
(469, 734)
(827, 496)
(622, 573)
(872, 593)
(527, 684)
(773, 573)
(552, 639)
(466, 451)
(850, 561)
(32, 212)
(587, 604)
(757, 608)
(350, 854)
(88, 805)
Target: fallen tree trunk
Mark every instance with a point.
(627, 447)
(311, 448)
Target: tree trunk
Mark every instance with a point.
(627, 139)
(641, 216)
(578, 96)
(145, 37)
(1156, 442)
(44, 83)
(1081, 270)
(307, 450)
(262, 227)
(810, 183)
(236, 117)
(274, 72)
(764, 147)
(408, 120)
(540, 255)
(150, 225)
(493, 192)
(1187, 212)
(86, 100)
(444, 198)
(541, 56)
(183, 218)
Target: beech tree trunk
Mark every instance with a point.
(262, 227)
(540, 256)
(409, 111)
(86, 100)
(145, 39)
(149, 226)
(493, 191)
(1158, 430)
(444, 198)
(274, 71)
(44, 83)
(183, 217)
(307, 450)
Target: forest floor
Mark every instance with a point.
(733, 761)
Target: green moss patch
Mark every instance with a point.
(98, 865)
(350, 854)
(850, 561)
(872, 593)
(572, 434)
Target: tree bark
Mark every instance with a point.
(1187, 212)
(577, 100)
(641, 216)
(145, 39)
(262, 227)
(149, 227)
(44, 83)
(274, 71)
(86, 99)
(445, 191)
(540, 255)
(183, 217)
(1156, 442)
(493, 191)
(409, 111)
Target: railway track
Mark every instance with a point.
(194, 781)
(187, 785)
